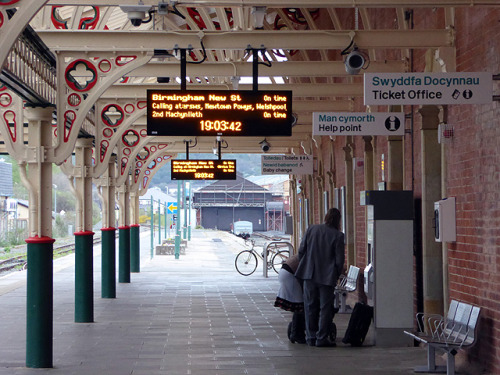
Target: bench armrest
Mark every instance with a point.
(456, 334)
(430, 324)
(342, 281)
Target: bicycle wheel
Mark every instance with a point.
(279, 258)
(245, 262)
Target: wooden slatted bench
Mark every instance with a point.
(346, 284)
(458, 330)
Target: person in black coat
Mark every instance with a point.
(321, 255)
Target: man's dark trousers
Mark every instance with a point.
(318, 306)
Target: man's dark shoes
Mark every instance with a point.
(325, 343)
(297, 339)
(311, 342)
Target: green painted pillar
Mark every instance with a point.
(39, 302)
(165, 219)
(169, 223)
(177, 223)
(124, 254)
(84, 282)
(135, 248)
(159, 222)
(152, 227)
(108, 263)
(189, 210)
(184, 228)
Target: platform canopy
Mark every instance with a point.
(303, 47)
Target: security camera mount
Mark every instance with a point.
(355, 60)
(162, 8)
(136, 13)
(264, 145)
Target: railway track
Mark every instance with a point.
(19, 262)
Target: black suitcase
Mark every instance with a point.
(359, 323)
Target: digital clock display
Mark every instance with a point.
(203, 169)
(218, 112)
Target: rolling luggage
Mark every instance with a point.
(359, 323)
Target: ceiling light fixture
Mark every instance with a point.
(235, 80)
(259, 13)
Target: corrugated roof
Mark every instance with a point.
(241, 184)
(157, 195)
(269, 179)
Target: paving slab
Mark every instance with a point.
(193, 315)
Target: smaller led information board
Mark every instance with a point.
(219, 112)
(203, 169)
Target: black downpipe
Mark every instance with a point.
(418, 254)
(183, 69)
(255, 70)
(418, 248)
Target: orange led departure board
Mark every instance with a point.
(219, 112)
(203, 169)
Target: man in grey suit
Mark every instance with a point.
(321, 256)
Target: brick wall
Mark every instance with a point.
(473, 160)
(473, 172)
(473, 178)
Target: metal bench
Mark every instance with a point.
(458, 330)
(346, 284)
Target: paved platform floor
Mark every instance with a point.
(194, 315)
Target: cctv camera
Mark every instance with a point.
(136, 13)
(265, 146)
(136, 18)
(354, 62)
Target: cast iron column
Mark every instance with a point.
(135, 246)
(108, 232)
(84, 237)
(40, 244)
(124, 235)
(84, 282)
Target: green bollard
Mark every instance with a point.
(84, 281)
(39, 303)
(135, 248)
(108, 263)
(124, 254)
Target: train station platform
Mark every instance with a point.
(195, 315)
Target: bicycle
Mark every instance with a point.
(246, 261)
